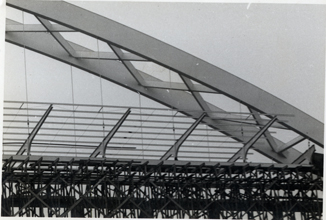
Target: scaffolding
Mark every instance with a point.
(69, 187)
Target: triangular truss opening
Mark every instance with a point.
(82, 40)
(157, 71)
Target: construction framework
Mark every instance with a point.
(143, 162)
(85, 187)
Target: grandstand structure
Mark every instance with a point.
(185, 157)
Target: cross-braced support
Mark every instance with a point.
(100, 188)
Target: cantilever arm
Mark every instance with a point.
(27, 144)
(244, 150)
(102, 147)
(173, 151)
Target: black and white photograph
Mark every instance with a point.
(147, 109)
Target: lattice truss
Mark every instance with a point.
(191, 119)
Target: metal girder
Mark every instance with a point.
(174, 59)
(58, 37)
(107, 56)
(290, 144)
(267, 134)
(85, 53)
(101, 149)
(173, 151)
(27, 145)
(244, 150)
(177, 86)
(133, 71)
(183, 101)
(202, 103)
(305, 156)
(36, 28)
(122, 189)
(156, 94)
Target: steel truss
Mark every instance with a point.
(130, 46)
(97, 187)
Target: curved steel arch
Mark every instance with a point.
(188, 66)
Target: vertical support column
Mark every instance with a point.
(102, 147)
(173, 151)
(27, 145)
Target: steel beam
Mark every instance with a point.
(130, 67)
(182, 101)
(173, 151)
(107, 56)
(267, 134)
(174, 59)
(307, 155)
(36, 28)
(177, 86)
(202, 103)
(101, 187)
(58, 37)
(28, 143)
(101, 149)
(242, 153)
(290, 144)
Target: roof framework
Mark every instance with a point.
(186, 96)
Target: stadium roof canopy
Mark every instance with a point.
(187, 127)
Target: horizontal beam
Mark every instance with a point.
(21, 158)
(177, 86)
(36, 28)
(107, 56)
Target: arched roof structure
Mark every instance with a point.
(129, 46)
